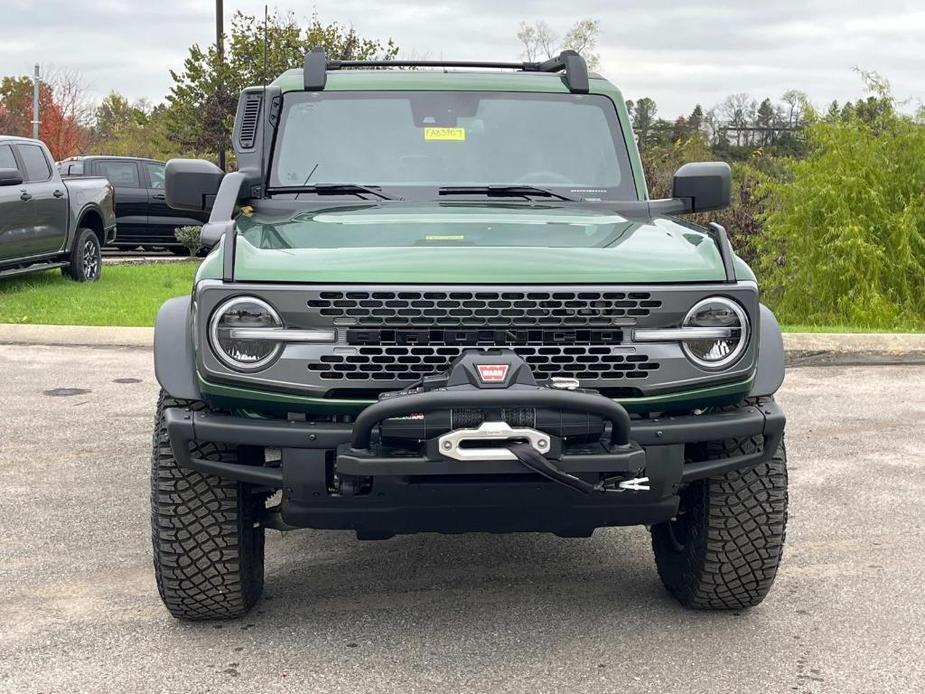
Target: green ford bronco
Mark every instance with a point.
(441, 300)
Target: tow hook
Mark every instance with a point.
(637, 484)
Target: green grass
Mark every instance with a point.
(124, 295)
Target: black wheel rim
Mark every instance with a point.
(91, 260)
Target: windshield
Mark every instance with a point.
(413, 143)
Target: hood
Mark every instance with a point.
(465, 243)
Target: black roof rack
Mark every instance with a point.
(316, 67)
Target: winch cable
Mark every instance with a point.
(536, 461)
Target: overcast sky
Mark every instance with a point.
(679, 52)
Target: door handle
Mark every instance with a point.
(58, 194)
(25, 196)
(159, 196)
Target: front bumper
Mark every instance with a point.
(389, 494)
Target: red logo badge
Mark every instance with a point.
(492, 373)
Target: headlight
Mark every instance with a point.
(231, 336)
(716, 352)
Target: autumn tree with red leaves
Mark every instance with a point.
(64, 111)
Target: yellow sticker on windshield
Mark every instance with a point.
(445, 134)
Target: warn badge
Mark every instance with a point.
(492, 373)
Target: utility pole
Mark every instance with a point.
(220, 50)
(36, 81)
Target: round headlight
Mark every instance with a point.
(231, 333)
(717, 353)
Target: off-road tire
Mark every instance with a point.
(85, 263)
(208, 544)
(723, 549)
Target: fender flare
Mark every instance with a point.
(174, 356)
(770, 372)
(89, 207)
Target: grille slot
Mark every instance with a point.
(475, 308)
(409, 363)
(248, 134)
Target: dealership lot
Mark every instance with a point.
(531, 613)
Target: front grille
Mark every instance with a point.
(495, 308)
(409, 363)
(389, 336)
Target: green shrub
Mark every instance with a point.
(190, 237)
(844, 232)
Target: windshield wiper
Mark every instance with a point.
(335, 189)
(505, 191)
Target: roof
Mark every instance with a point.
(441, 79)
(87, 157)
(16, 138)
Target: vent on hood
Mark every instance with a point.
(248, 133)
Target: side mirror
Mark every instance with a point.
(10, 177)
(703, 185)
(191, 184)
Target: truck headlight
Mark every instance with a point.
(236, 333)
(728, 318)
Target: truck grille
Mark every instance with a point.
(388, 336)
(494, 308)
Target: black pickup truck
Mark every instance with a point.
(47, 222)
(144, 218)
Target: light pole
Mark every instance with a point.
(36, 81)
(220, 50)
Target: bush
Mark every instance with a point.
(190, 237)
(844, 238)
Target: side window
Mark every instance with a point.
(33, 158)
(155, 174)
(122, 174)
(7, 160)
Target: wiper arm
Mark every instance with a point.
(505, 191)
(335, 189)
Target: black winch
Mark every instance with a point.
(488, 370)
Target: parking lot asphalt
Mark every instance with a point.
(79, 610)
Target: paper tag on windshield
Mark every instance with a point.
(445, 134)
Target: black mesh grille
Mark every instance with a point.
(431, 308)
(409, 363)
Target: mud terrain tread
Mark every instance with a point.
(208, 556)
(735, 536)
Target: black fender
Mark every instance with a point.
(174, 356)
(770, 373)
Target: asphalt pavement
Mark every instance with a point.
(79, 610)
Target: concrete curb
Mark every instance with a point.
(802, 348)
(76, 335)
(884, 343)
(847, 349)
(146, 260)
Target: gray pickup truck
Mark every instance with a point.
(47, 222)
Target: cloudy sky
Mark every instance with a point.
(679, 52)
